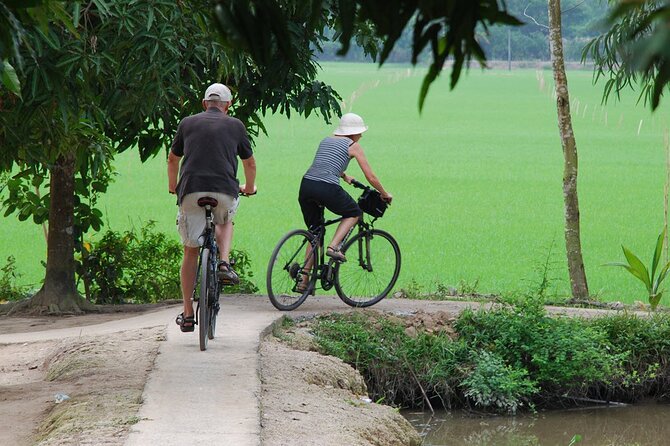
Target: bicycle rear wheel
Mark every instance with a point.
(203, 299)
(285, 283)
(371, 269)
(213, 294)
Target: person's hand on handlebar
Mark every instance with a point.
(347, 178)
(247, 191)
(387, 197)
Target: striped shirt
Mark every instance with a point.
(332, 158)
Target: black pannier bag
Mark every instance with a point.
(371, 203)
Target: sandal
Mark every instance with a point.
(303, 283)
(186, 323)
(335, 254)
(227, 275)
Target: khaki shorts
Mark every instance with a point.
(191, 217)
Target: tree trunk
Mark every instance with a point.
(59, 292)
(573, 244)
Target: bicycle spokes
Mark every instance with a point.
(357, 282)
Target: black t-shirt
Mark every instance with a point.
(210, 143)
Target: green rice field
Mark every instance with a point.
(476, 179)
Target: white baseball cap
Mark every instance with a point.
(218, 92)
(350, 124)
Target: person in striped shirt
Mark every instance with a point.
(320, 186)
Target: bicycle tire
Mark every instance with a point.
(283, 274)
(371, 270)
(203, 301)
(213, 294)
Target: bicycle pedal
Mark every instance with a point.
(228, 283)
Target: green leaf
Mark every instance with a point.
(151, 19)
(58, 11)
(75, 14)
(425, 85)
(637, 268)
(657, 253)
(10, 79)
(661, 277)
(654, 300)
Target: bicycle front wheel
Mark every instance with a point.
(203, 298)
(288, 285)
(371, 269)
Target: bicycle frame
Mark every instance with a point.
(324, 269)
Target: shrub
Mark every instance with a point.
(646, 345)
(494, 385)
(131, 268)
(557, 352)
(140, 268)
(242, 266)
(8, 289)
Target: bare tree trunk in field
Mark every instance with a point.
(573, 244)
(59, 292)
(666, 190)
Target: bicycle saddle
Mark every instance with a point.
(207, 201)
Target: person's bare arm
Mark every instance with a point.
(347, 178)
(356, 151)
(249, 187)
(173, 171)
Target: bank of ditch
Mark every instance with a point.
(504, 360)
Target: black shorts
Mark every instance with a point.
(315, 195)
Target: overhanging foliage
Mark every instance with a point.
(448, 28)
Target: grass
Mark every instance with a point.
(477, 180)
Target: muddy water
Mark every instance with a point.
(640, 425)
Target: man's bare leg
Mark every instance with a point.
(189, 265)
(224, 238)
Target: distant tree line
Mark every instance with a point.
(582, 20)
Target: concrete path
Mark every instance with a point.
(212, 395)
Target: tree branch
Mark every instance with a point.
(533, 18)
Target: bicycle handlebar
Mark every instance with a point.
(245, 194)
(359, 185)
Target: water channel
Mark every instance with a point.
(639, 425)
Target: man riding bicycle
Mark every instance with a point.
(207, 146)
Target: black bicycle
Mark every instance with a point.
(298, 262)
(206, 291)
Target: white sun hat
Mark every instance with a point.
(218, 92)
(350, 124)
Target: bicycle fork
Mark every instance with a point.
(364, 252)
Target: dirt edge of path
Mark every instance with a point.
(311, 399)
(78, 390)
